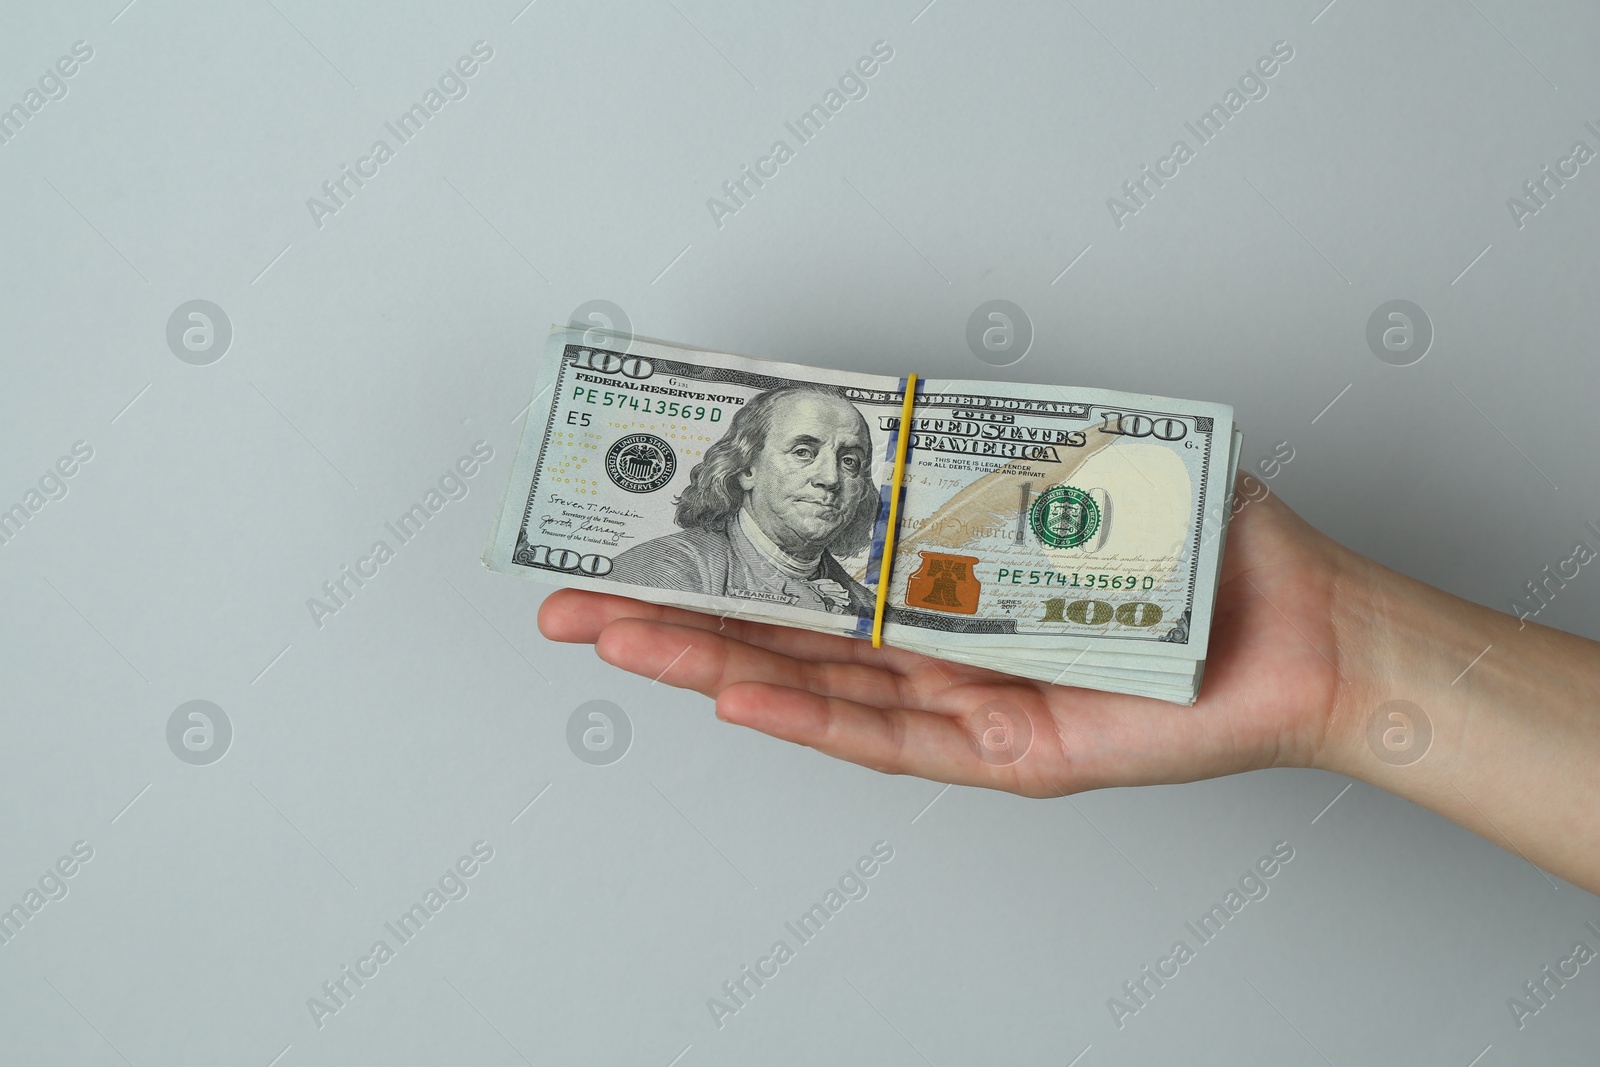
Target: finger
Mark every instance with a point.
(892, 740)
(693, 658)
(580, 615)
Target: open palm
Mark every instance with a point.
(1271, 686)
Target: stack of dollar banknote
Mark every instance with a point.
(1056, 533)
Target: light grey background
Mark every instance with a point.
(368, 354)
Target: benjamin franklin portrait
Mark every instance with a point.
(771, 508)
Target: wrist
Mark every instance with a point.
(1491, 721)
(1435, 690)
(1405, 651)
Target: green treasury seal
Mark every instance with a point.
(1064, 516)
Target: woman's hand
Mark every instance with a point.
(1312, 649)
(1272, 685)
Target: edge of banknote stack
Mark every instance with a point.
(1069, 535)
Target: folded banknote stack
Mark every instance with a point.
(1057, 533)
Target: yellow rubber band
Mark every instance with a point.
(887, 562)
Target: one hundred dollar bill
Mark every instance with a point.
(1057, 532)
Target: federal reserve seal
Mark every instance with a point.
(1064, 517)
(641, 463)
